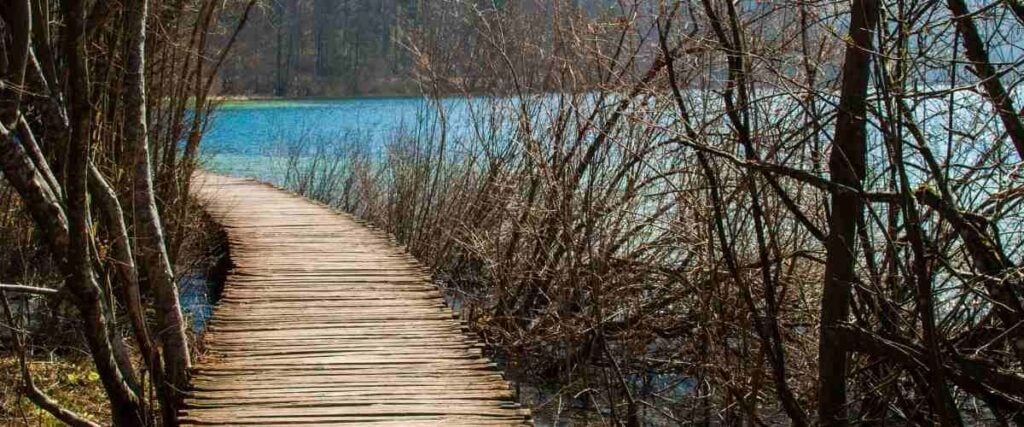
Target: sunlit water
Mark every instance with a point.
(243, 136)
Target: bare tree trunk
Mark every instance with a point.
(281, 62)
(941, 400)
(294, 36)
(28, 140)
(847, 167)
(150, 244)
(17, 163)
(125, 409)
(323, 12)
(997, 95)
(131, 297)
(43, 204)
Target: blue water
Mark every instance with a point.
(255, 126)
(196, 299)
(242, 137)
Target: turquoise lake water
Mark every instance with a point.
(241, 136)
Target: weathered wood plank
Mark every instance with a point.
(324, 321)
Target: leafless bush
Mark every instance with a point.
(746, 213)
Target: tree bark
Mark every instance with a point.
(150, 245)
(131, 295)
(44, 206)
(125, 407)
(847, 166)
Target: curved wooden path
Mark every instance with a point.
(324, 321)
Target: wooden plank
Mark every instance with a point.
(326, 321)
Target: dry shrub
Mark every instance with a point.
(633, 208)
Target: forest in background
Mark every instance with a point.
(331, 48)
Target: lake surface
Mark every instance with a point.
(243, 135)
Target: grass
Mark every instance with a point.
(70, 381)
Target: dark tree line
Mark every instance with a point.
(353, 47)
(322, 47)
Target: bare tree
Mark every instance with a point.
(644, 201)
(59, 149)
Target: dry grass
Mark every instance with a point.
(70, 380)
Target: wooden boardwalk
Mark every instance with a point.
(324, 321)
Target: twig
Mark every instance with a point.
(28, 289)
